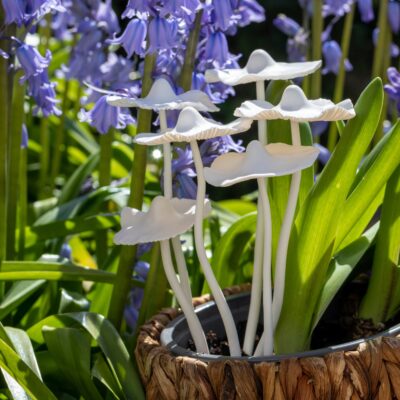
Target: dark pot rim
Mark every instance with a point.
(167, 340)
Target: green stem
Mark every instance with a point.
(4, 106)
(190, 56)
(380, 46)
(104, 180)
(15, 125)
(59, 137)
(23, 202)
(128, 253)
(44, 158)
(316, 50)
(341, 77)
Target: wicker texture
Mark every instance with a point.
(372, 371)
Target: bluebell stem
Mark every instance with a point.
(307, 5)
(394, 49)
(332, 56)
(103, 116)
(133, 38)
(394, 16)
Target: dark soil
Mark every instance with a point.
(339, 324)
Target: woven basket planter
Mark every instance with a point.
(369, 371)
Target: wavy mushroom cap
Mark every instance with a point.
(191, 125)
(163, 97)
(295, 106)
(262, 67)
(258, 161)
(165, 219)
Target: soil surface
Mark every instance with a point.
(339, 324)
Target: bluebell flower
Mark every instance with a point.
(332, 55)
(24, 137)
(14, 11)
(66, 251)
(212, 148)
(36, 9)
(318, 127)
(222, 14)
(185, 9)
(133, 38)
(324, 154)
(366, 10)
(162, 34)
(336, 7)
(103, 116)
(32, 62)
(297, 46)
(307, 5)
(249, 11)
(216, 49)
(394, 16)
(393, 87)
(106, 17)
(138, 6)
(90, 41)
(394, 49)
(286, 25)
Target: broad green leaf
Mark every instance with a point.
(239, 207)
(74, 183)
(17, 294)
(381, 299)
(12, 363)
(102, 372)
(81, 135)
(71, 349)
(72, 302)
(314, 234)
(380, 166)
(341, 267)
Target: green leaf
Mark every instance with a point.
(12, 363)
(102, 372)
(71, 349)
(72, 302)
(73, 185)
(239, 207)
(341, 267)
(313, 236)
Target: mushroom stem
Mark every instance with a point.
(220, 301)
(176, 243)
(262, 123)
(284, 236)
(268, 337)
(195, 327)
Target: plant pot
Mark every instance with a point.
(361, 369)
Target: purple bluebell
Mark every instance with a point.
(337, 8)
(90, 41)
(131, 312)
(106, 17)
(249, 11)
(183, 171)
(216, 48)
(212, 148)
(24, 137)
(307, 5)
(36, 9)
(103, 116)
(324, 154)
(394, 49)
(32, 62)
(286, 25)
(332, 56)
(222, 14)
(133, 38)
(14, 11)
(162, 34)
(185, 9)
(66, 251)
(297, 46)
(394, 16)
(393, 87)
(318, 128)
(366, 10)
(138, 6)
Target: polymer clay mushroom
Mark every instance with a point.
(260, 67)
(294, 106)
(191, 127)
(161, 98)
(165, 219)
(260, 162)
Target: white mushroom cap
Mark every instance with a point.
(275, 159)
(262, 67)
(295, 106)
(165, 219)
(191, 125)
(163, 97)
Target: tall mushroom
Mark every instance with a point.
(260, 67)
(294, 106)
(191, 127)
(161, 98)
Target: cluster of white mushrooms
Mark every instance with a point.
(169, 217)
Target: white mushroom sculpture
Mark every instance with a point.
(294, 106)
(191, 127)
(260, 67)
(259, 162)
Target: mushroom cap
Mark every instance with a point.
(295, 106)
(262, 67)
(191, 125)
(275, 159)
(163, 97)
(165, 219)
